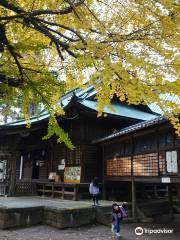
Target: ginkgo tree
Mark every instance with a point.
(127, 48)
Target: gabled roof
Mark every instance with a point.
(86, 99)
(119, 109)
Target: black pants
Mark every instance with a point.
(95, 199)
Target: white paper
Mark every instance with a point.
(168, 161)
(174, 162)
(61, 167)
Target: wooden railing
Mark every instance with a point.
(62, 190)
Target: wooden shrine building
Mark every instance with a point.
(27, 162)
(141, 161)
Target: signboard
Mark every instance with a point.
(72, 174)
(165, 180)
(171, 161)
(61, 167)
(168, 161)
(174, 162)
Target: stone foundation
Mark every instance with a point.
(14, 217)
(27, 211)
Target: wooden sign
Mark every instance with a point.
(72, 175)
(168, 162)
(174, 162)
(165, 180)
(171, 161)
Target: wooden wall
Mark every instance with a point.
(142, 154)
(90, 162)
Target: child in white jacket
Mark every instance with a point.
(94, 191)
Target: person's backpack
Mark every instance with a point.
(123, 212)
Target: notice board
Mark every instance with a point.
(72, 175)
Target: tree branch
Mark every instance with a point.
(10, 6)
(62, 26)
(22, 13)
(10, 81)
(43, 29)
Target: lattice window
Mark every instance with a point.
(74, 156)
(119, 166)
(145, 164)
(111, 167)
(3, 170)
(162, 163)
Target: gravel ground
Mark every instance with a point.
(85, 233)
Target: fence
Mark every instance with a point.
(24, 188)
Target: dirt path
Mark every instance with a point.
(85, 233)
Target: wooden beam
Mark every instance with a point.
(148, 179)
(51, 154)
(170, 199)
(103, 175)
(133, 198)
(133, 188)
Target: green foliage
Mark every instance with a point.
(131, 46)
(55, 130)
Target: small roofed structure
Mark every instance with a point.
(144, 157)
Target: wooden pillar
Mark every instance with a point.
(170, 199)
(12, 173)
(62, 197)
(133, 198)
(21, 168)
(51, 155)
(15, 154)
(44, 188)
(103, 173)
(133, 186)
(52, 194)
(75, 195)
(178, 190)
(155, 191)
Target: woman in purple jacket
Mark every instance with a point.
(94, 191)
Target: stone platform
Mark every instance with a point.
(26, 211)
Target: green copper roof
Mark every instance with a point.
(85, 97)
(119, 109)
(22, 122)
